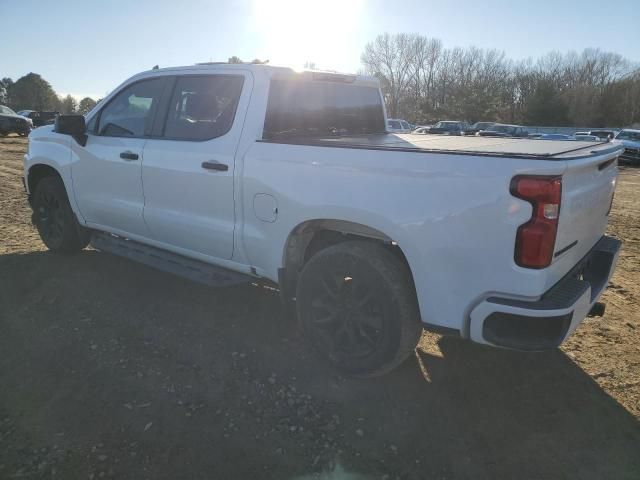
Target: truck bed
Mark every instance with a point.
(463, 145)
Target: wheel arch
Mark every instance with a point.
(314, 235)
(39, 171)
(42, 168)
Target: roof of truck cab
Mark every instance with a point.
(270, 70)
(223, 65)
(466, 145)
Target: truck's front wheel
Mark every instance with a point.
(356, 303)
(54, 219)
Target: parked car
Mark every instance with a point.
(478, 127)
(11, 122)
(554, 136)
(601, 134)
(448, 127)
(631, 140)
(502, 130)
(366, 254)
(422, 129)
(40, 118)
(395, 125)
(589, 138)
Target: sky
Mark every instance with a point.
(87, 48)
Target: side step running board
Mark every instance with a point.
(194, 270)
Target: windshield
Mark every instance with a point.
(394, 124)
(481, 125)
(303, 108)
(635, 136)
(6, 110)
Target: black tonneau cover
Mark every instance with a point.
(464, 145)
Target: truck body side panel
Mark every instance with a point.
(451, 215)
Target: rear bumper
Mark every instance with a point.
(545, 323)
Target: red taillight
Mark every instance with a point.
(536, 239)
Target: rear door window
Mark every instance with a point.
(203, 107)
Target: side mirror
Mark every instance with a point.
(73, 125)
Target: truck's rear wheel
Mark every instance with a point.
(54, 219)
(356, 303)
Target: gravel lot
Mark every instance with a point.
(110, 369)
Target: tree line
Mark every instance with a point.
(32, 92)
(423, 82)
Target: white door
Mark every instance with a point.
(107, 171)
(188, 173)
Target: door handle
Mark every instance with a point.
(129, 155)
(213, 165)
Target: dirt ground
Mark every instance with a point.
(109, 369)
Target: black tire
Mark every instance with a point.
(356, 304)
(56, 223)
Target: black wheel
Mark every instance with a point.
(54, 219)
(356, 303)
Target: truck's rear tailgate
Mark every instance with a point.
(588, 186)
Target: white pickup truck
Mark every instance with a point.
(224, 173)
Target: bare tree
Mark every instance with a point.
(424, 82)
(390, 59)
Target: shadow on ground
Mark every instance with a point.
(110, 368)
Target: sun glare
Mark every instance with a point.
(296, 32)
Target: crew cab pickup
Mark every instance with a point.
(228, 173)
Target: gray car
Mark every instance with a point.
(11, 122)
(631, 140)
(502, 130)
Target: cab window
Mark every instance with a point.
(302, 108)
(130, 113)
(203, 107)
